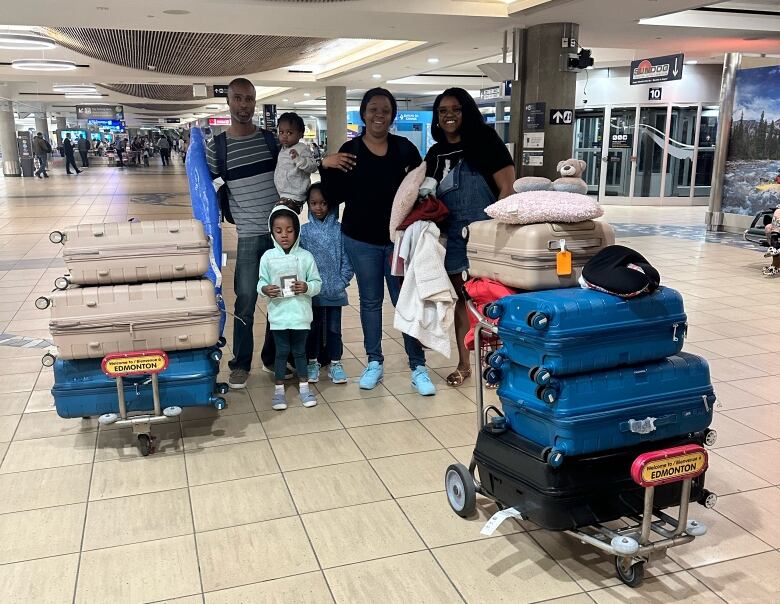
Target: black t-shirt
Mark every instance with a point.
(488, 155)
(369, 189)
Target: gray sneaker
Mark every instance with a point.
(238, 378)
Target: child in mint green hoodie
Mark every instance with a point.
(289, 279)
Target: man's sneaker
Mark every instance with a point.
(287, 376)
(372, 375)
(337, 373)
(278, 402)
(308, 399)
(422, 382)
(238, 378)
(313, 371)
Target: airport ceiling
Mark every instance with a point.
(147, 54)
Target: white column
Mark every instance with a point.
(8, 147)
(336, 114)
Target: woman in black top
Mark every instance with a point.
(365, 175)
(473, 168)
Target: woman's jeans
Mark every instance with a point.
(324, 342)
(247, 274)
(372, 269)
(290, 341)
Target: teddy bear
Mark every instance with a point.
(571, 171)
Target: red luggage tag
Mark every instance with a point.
(563, 261)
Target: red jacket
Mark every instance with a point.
(483, 292)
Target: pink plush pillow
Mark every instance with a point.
(405, 197)
(531, 207)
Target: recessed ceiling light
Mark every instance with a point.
(75, 88)
(306, 94)
(376, 76)
(43, 65)
(25, 41)
(433, 60)
(285, 100)
(176, 11)
(83, 96)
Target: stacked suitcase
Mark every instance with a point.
(134, 286)
(588, 382)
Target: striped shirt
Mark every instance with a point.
(250, 180)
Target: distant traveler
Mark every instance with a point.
(121, 146)
(69, 153)
(41, 150)
(165, 150)
(83, 145)
(245, 158)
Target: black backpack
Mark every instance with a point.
(220, 149)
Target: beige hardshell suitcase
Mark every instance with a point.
(524, 256)
(90, 322)
(133, 252)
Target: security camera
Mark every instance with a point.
(582, 60)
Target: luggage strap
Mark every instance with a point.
(166, 320)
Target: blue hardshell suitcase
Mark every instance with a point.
(599, 411)
(568, 331)
(81, 389)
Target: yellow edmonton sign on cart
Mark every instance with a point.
(677, 467)
(135, 363)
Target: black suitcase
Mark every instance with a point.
(584, 490)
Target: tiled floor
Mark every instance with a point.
(345, 501)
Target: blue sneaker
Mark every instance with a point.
(308, 399)
(337, 373)
(313, 371)
(278, 402)
(372, 375)
(422, 382)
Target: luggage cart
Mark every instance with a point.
(646, 537)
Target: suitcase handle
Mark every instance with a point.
(97, 230)
(647, 425)
(572, 244)
(103, 273)
(183, 338)
(178, 267)
(173, 229)
(94, 344)
(91, 303)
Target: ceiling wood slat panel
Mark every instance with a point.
(187, 53)
(158, 92)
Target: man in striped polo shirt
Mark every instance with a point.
(250, 164)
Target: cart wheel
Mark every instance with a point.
(710, 437)
(495, 360)
(540, 375)
(547, 394)
(538, 320)
(61, 283)
(223, 388)
(493, 311)
(144, 444)
(222, 342)
(461, 492)
(216, 355)
(632, 577)
(56, 237)
(42, 303)
(555, 458)
(48, 359)
(492, 376)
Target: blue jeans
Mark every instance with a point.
(466, 195)
(247, 274)
(372, 269)
(324, 342)
(43, 164)
(290, 341)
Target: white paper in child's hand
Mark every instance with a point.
(288, 281)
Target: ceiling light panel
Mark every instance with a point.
(11, 40)
(43, 65)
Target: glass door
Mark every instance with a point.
(682, 145)
(588, 134)
(650, 152)
(619, 152)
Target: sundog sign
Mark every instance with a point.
(657, 69)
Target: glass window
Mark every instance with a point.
(588, 135)
(708, 131)
(652, 129)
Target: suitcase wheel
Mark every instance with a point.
(61, 283)
(632, 575)
(216, 355)
(540, 375)
(461, 490)
(223, 388)
(555, 458)
(218, 403)
(708, 499)
(495, 360)
(492, 376)
(493, 311)
(56, 237)
(48, 359)
(547, 394)
(710, 437)
(222, 342)
(42, 303)
(538, 320)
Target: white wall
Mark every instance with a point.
(700, 83)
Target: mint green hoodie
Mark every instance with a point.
(293, 312)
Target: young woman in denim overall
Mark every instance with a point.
(474, 169)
